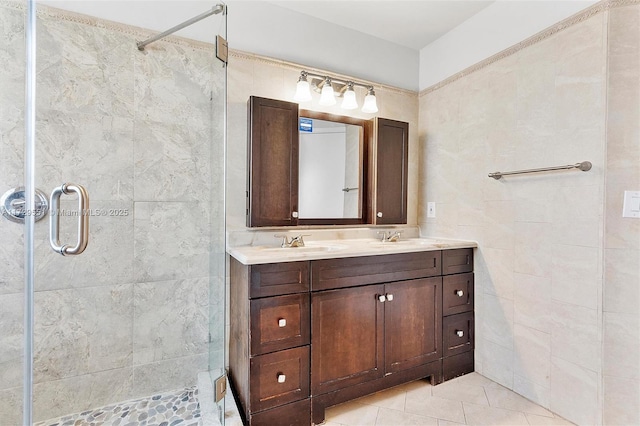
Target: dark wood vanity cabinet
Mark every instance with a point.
(457, 309)
(310, 335)
(388, 180)
(272, 196)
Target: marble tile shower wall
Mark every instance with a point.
(539, 266)
(621, 366)
(130, 316)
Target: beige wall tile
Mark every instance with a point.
(621, 401)
(582, 384)
(575, 335)
(497, 363)
(574, 275)
(622, 345)
(532, 355)
(622, 273)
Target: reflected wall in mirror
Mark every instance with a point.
(331, 168)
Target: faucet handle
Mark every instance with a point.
(300, 239)
(285, 239)
(385, 235)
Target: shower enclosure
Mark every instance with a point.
(138, 136)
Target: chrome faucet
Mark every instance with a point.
(390, 236)
(296, 241)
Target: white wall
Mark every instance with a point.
(266, 29)
(495, 28)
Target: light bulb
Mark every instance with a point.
(370, 105)
(349, 100)
(327, 97)
(303, 91)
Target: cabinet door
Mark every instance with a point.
(273, 163)
(347, 329)
(391, 162)
(413, 331)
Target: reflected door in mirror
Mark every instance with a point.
(329, 171)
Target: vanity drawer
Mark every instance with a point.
(279, 378)
(457, 334)
(276, 279)
(457, 261)
(354, 271)
(279, 323)
(457, 294)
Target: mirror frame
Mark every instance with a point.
(367, 134)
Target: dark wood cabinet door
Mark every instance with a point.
(413, 328)
(347, 329)
(272, 163)
(391, 172)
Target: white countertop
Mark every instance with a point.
(330, 249)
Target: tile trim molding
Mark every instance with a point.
(579, 17)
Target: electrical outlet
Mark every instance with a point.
(431, 209)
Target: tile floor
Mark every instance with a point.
(471, 399)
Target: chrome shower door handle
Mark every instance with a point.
(83, 219)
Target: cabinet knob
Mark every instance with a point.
(294, 215)
(460, 333)
(389, 297)
(379, 214)
(281, 378)
(382, 298)
(282, 322)
(460, 293)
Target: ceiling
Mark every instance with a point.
(420, 21)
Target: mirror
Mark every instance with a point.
(331, 168)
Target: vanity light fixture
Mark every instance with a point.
(327, 97)
(349, 97)
(303, 94)
(330, 88)
(370, 104)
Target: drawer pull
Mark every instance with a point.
(382, 298)
(389, 297)
(281, 378)
(282, 322)
(459, 293)
(460, 333)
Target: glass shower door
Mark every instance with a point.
(137, 315)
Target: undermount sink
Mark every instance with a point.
(309, 248)
(408, 243)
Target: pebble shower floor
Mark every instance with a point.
(172, 409)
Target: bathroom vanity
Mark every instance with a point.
(341, 320)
